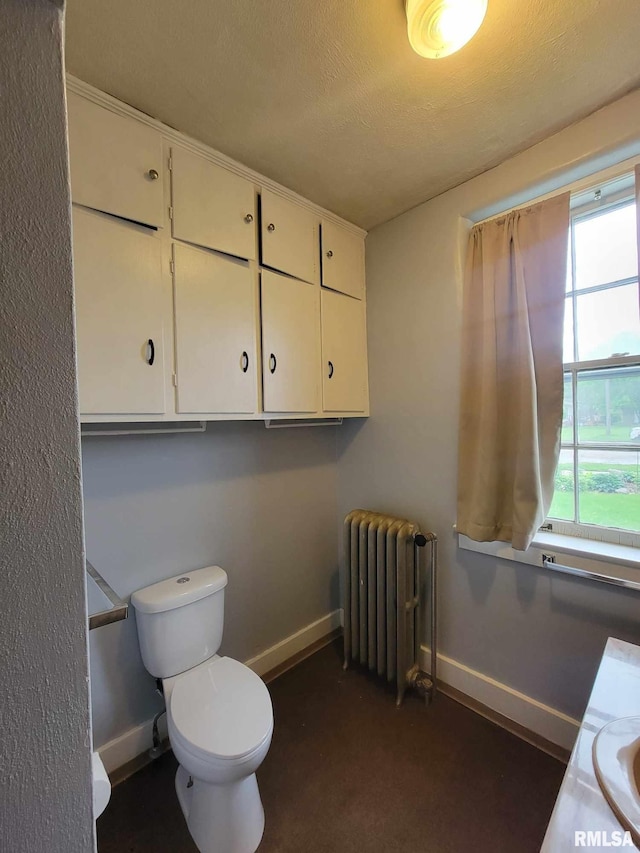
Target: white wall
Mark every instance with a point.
(260, 503)
(45, 781)
(537, 633)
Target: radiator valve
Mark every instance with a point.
(422, 684)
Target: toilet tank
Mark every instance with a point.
(180, 620)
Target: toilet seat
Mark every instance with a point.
(221, 711)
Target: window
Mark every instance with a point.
(597, 483)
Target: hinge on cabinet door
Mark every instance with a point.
(174, 379)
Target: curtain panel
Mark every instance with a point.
(637, 183)
(512, 377)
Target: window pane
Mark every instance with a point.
(608, 322)
(562, 505)
(605, 247)
(567, 348)
(567, 411)
(569, 284)
(609, 406)
(609, 482)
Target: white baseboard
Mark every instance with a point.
(138, 740)
(130, 744)
(541, 719)
(290, 646)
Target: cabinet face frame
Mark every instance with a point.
(112, 161)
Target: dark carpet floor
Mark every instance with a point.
(348, 772)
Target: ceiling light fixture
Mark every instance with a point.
(438, 28)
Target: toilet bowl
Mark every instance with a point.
(219, 712)
(220, 722)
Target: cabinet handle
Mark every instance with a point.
(152, 352)
(153, 175)
(330, 369)
(249, 217)
(244, 362)
(271, 227)
(329, 254)
(273, 363)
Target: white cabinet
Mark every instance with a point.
(215, 324)
(344, 354)
(290, 344)
(116, 163)
(266, 317)
(289, 237)
(342, 260)
(118, 293)
(212, 207)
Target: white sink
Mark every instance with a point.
(616, 759)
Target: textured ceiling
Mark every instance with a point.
(328, 98)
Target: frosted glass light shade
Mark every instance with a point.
(438, 28)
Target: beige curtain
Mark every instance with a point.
(512, 382)
(637, 176)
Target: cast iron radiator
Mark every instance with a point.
(384, 590)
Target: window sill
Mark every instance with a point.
(607, 552)
(617, 562)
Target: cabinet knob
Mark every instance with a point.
(151, 350)
(244, 362)
(153, 175)
(329, 254)
(273, 363)
(330, 369)
(271, 227)
(249, 217)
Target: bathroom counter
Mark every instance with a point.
(581, 805)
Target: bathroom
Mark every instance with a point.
(267, 504)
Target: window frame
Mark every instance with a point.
(584, 209)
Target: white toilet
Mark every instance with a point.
(219, 712)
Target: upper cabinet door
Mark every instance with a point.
(212, 207)
(344, 354)
(342, 260)
(290, 344)
(118, 294)
(289, 237)
(215, 321)
(116, 163)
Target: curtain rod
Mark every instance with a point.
(589, 182)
